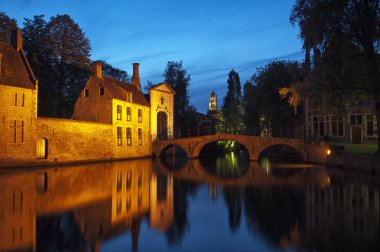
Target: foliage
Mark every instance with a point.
(294, 97)
(232, 103)
(263, 105)
(7, 24)
(179, 80)
(114, 72)
(345, 38)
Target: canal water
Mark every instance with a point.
(220, 203)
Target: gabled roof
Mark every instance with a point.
(15, 69)
(119, 89)
(163, 84)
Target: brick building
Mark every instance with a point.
(112, 119)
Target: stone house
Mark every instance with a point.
(112, 119)
(18, 96)
(356, 124)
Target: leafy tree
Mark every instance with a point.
(232, 103)
(179, 80)
(114, 72)
(70, 52)
(345, 38)
(263, 105)
(7, 24)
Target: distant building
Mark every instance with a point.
(213, 104)
(112, 119)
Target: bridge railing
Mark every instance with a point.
(180, 133)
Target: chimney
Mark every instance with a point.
(16, 39)
(97, 69)
(136, 76)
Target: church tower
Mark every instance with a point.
(212, 105)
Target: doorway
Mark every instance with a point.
(162, 125)
(356, 135)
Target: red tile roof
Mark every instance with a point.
(119, 89)
(15, 69)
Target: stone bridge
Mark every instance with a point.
(254, 145)
(194, 171)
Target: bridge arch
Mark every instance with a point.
(300, 152)
(198, 147)
(165, 148)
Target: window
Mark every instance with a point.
(337, 126)
(129, 114)
(139, 181)
(129, 136)
(139, 115)
(140, 136)
(101, 91)
(318, 128)
(23, 100)
(118, 112)
(162, 100)
(139, 200)
(15, 99)
(119, 136)
(86, 92)
(22, 131)
(14, 131)
(369, 125)
(128, 205)
(356, 119)
(129, 97)
(118, 206)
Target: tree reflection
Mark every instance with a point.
(233, 198)
(274, 211)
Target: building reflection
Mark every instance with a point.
(81, 206)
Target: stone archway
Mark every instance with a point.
(162, 125)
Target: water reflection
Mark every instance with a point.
(90, 207)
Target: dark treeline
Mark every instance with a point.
(59, 54)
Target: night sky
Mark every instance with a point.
(210, 37)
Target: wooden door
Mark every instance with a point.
(162, 125)
(356, 135)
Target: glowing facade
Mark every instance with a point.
(112, 119)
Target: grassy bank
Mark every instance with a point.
(358, 149)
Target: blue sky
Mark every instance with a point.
(211, 37)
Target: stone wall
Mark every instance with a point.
(70, 140)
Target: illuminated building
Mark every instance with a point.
(213, 104)
(112, 119)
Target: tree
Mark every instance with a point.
(345, 38)
(7, 24)
(263, 105)
(114, 72)
(70, 52)
(179, 80)
(232, 103)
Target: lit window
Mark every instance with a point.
(119, 136)
(101, 91)
(129, 114)
(118, 112)
(86, 92)
(129, 136)
(139, 115)
(140, 136)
